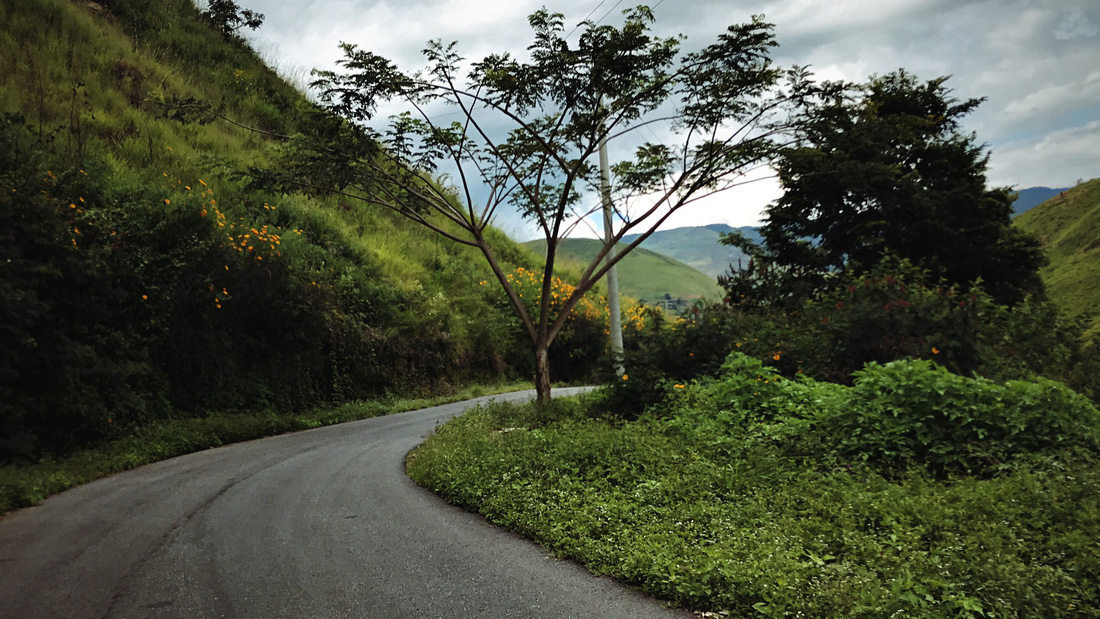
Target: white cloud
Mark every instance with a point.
(1035, 60)
(1058, 159)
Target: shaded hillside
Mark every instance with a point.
(1068, 225)
(643, 274)
(1027, 199)
(698, 246)
(142, 277)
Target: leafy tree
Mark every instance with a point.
(528, 130)
(229, 18)
(885, 170)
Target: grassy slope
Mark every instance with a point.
(643, 274)
(71, 66)
(92, 78)
(1069, 227)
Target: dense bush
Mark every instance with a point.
(757, 495)
(915, 412)
(128, 300)
(891, 313)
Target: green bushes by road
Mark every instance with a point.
(913, 492)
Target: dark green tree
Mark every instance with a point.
(528, 132)
(884, 169)
(229, 18)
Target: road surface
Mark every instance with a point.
(322, 523)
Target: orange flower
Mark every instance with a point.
(935, 351)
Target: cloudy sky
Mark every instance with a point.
(1036, 61)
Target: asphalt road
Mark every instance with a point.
(322, 523)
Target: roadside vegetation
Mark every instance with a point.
(144, 280)
(915, 492)
(885, 417)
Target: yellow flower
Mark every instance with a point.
(935, 351)
(167, 201)
(144, 297)
(626, 376)
(776, 356)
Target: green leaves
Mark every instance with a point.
(915, 412)
(724, 513)
(369, 80)
(882, 169)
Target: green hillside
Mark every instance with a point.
(142, 277)
(643, 274)
(1069, 227)
(698, 247)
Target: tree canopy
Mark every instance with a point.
(884, 169)
(229, 18)
(521, 131)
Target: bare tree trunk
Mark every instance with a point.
(542, 372)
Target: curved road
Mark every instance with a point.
(322, 523)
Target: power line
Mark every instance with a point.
(608, 13)
(586, 18)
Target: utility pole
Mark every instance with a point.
(614, 316)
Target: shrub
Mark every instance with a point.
(914, 411)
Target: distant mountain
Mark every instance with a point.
(698, 246)
(1068, 225)
(1027, 199)
(643, 274)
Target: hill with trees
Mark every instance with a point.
(144, 277)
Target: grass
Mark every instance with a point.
(1068, 227)
(378, 303)
(24, 485)
(643, 274)
(727, 509)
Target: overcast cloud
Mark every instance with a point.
(1037, 62)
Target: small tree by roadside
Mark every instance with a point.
(527, 132)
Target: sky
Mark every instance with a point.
(1037, 62)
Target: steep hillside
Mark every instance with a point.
(698, 247)
(142, 277)
(643, 274)
(1069, 227)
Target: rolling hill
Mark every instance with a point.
(698, 246)
(644, 274)
(1068, 225)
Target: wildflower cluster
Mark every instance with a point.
(242, 236)
(528, 284)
